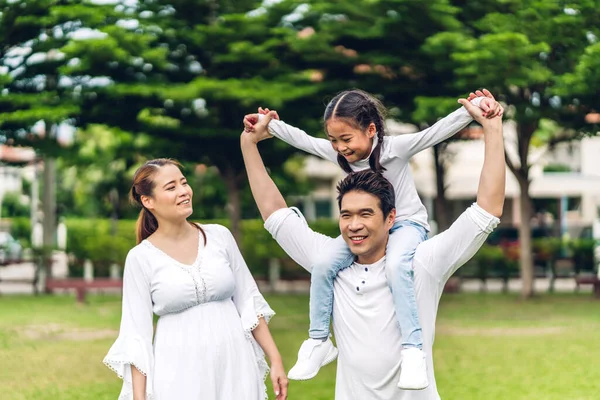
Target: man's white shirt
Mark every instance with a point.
(364, 321)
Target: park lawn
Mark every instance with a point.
(487, 347)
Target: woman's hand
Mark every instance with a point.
(279, 379)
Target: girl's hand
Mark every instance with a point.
(491, 108)
(265, 111)
(256, 131)
(250, 120)
(479, 114)
(279, 379)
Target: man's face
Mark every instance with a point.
(364, 227)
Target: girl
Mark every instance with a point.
(212, 326)
(354, 124)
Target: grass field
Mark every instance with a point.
(487, 347)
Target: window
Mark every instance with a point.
(323, 208)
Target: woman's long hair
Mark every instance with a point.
(143, 185)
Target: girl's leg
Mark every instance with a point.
(399, 256)
(324, 271)
(401, 247)
(319, 350)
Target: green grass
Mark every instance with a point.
(487, 347)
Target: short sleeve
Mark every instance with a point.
(133, 347)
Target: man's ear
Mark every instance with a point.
(391, 218)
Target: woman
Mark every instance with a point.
(212, 329)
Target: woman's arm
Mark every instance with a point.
(139, 384)
(262, 334)
(131, 356)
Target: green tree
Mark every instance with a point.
(381, 51)
(217, 63)
(36, 53)
(522, 50)
(96, 174)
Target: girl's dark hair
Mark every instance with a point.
(358, 109)
(143, 185)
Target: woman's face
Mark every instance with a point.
(172, 197)
(352, 143)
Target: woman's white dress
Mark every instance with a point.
(203, 346)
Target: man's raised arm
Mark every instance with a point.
(267, 196)
(288, 227)
(443, 254)
(492, 181)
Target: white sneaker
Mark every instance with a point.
(313, 354)
(413, 370)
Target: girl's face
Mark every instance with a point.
(352, 143)
(172, 196)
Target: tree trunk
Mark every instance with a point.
(526, 256)
(234, 202)
(551, 266)
(441, 203)
(34, 220)
(49, 223)
(113, 196)
(525, 131)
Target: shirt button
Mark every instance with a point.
(367, 269)
(363, 282)
(357, 288)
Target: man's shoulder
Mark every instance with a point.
(291, 231)
(278, 218)
(444, 253)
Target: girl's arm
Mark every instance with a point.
(299, 139)
(407, 145)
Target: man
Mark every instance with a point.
(364, 324)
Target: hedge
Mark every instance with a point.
(92, 239)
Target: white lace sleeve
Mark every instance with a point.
(250, 303)
(133, 347)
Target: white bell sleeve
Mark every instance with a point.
(250, 303)
(133, 347)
